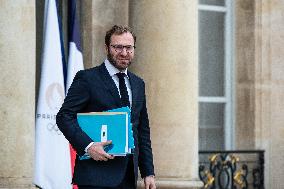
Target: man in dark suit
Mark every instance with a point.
(102, 88)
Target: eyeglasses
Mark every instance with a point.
(119, 48)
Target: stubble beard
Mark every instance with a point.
(115, 64)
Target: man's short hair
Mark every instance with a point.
(118, 30)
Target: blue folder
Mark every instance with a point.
(112, 125)
(130, 131)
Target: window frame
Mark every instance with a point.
(229, 80)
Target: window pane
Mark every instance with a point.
(212, 2)
(211, 126)
(211, 53)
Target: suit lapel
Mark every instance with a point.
(134, 88)
(110, 85)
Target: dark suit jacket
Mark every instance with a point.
(93, 90)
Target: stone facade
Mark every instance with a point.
(17, 93)
(166, 57)
(259, 55)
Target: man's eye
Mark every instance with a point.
(119, 47)
(129, 47)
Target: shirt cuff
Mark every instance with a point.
(86, 149)
(150, 176)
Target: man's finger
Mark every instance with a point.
(146, 185)
(106, 155)
(109, 156)
(152, 186)
(103, 158)
(106, 143)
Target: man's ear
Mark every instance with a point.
(106, 49)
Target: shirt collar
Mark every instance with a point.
(113, 70)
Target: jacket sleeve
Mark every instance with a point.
(145, 159)
(76, 100)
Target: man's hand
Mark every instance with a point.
(97, 152)
(149, 182)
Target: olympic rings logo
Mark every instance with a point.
(53, 128)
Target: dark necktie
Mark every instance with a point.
(123, 90)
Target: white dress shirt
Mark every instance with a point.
(112, 72)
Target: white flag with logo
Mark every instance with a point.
(52, 154)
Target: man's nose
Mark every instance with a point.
(124, 51)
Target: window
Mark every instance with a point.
(216, 123)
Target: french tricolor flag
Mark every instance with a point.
(75, 58)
